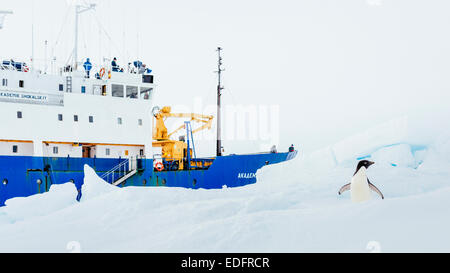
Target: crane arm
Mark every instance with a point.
(207, 125)
(161, 132)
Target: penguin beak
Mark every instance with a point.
(371, 163)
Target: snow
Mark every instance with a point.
(294, 207)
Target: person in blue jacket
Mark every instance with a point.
(87, 66)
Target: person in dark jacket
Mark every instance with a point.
(115, 67)
(291, 149)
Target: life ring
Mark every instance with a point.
(102, 72)
(26, 69)
(159, 166)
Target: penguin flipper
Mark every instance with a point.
(345, 188)
(375, 189)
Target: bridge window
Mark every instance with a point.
(15, 149)
(21, 84)
(147, 78)
(117, 90)
(132, 92)
(55, 150)
(91, 119)
(119, 121)
(5, 82)
(145, 93)
(61, 87)
(140, 122)
(19, 114)
(108, 151)
(60, 117)
(75, 118)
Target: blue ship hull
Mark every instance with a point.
(26, 176)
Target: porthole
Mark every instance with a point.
(39, 181)
(5, 182)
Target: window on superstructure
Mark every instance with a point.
(108, 151)
(60, 117)
(83, 89)
(21, 84)
(117, 90)
(146, 93)
(141, 152)
(119, 121)
(19, 114)
(15, 149)
(91, 119)
(55, 150)
(140, 122)
(61, 87)
(5, 82)
(75, 118)
(132, 92)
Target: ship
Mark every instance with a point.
(53, 124)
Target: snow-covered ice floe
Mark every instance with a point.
(294, 207)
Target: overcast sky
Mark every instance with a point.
(334, 68)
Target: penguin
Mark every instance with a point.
(360, 186)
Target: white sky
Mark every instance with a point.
(334, 67)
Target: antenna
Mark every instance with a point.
(79, 9)
(32, 35)
(3, 14)
(219, 95)
(45, 58)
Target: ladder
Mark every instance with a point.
(121, 172)
(69, 84)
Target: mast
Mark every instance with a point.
(219, 95)
(3, 14)
(79, 9)
(32, 35)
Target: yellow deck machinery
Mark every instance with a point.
(175, 153)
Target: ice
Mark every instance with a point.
(388, 133)
(21, 208)
(396, 155)
(93, 185)
(294, 207)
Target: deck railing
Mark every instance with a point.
(120, 170)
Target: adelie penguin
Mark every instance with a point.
(360, 186)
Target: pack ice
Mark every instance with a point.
(294, 207)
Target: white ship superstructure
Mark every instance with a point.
(69, 114)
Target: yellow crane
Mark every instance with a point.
(174, 151)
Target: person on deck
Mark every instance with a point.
(87, 66)
(142, 69)
(115, 67)
(292, 149)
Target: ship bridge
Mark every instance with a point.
(132, 82)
